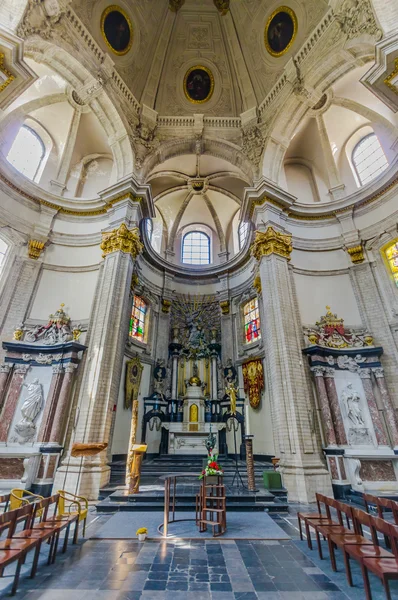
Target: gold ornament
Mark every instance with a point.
(222, 6)
(18, 333)
(76, 332)
(175, 5)
(257, 284)
(356, 254)
(9, 76)
(272, 242)
(253, 381)
(134, 370)
(224, 305)
(35, 248)
(166, 305)
(121, 240)
(134, 281)
(389, 79)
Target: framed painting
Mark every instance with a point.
(280, 31)
(198, 84)
(117, 29)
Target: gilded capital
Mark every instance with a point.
(272, 242)
(121, 240)
(35, 248)
(356, 254)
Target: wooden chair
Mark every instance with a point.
(326, 529)
(303, 516)
(382, 505)
(8, 554)
(385, 568)
(32, 532)
(314, 523)
(357, 546)
(53, 520)
(80, 505)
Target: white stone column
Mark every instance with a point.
(297, 442)
(102, 365)
(336, 188)
(59, 184)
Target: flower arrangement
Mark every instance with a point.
(142, 532)
(212, 468)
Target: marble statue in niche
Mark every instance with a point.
(30, 410)
(352, 400)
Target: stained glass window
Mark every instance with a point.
(392, 258)
(251, 321)
(27, 152)
(196, 248)
(369, 159)
(138, 319)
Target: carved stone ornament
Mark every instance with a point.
(121, 240)
(350, 363)
(56, 331)
(224, 305)
(143, 140)
(329, 332)
(40, 18)
(257, 284)
(175, 5)
(272, 242)
(253, 144)
(378, 372)
(352, 401)
(356, 18)
(359, 437)
(356, 254)
(35, 248)
(222, 6)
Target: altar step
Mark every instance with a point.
(120, 500)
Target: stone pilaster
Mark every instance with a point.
(5, 370)
(62, 404)
(99, 383)
(17, 295)
(334, 406)
(391, 414)
(296, 440)
(381, 437)
(59, 184)
(336, 188)
(327, 420)
(51, 403)
(374, 316)
(11, 401)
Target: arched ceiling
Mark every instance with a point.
(167, 43)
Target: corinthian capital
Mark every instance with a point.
(378, 372)
(318, 371)
(121, 240)
(272, 242)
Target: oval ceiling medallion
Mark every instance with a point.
(117, 29)
(198, 84)
(280, 31)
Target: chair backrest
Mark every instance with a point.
(53, 502)
(361, 518)
(5, 499)
(323, 501)
(370, 501)
(8, 522)
(382, 504)
(346, 509)
(394, 539)
(332, 503)
(394, 508)
(40, 510)
(382, 526)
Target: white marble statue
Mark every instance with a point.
(30, 410)
(352, 401)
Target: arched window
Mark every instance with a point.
(196, 248)
(391, 253)
(251, 318)
(3, 251)
(149, 228)
(27, 152)
(138, 320)
(243, 231)
(368, 159)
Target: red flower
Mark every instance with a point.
(214, 465)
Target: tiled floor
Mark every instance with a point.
(194, 570)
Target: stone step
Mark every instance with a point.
(109, 507)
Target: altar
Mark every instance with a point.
(182, 441)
